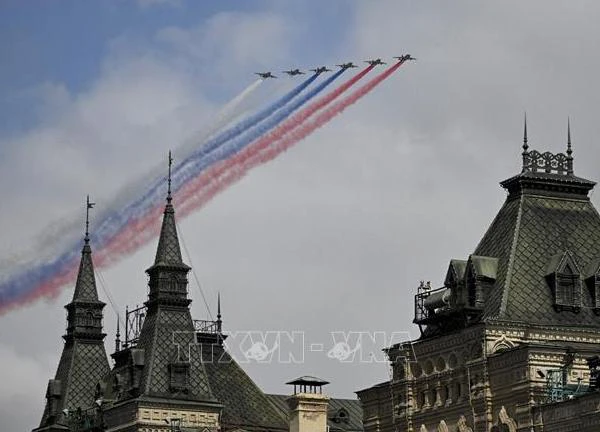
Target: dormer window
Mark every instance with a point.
(564, 278)
(341, 416)
(179, 377)
(455, 280)
(566, 286)
(480, 278)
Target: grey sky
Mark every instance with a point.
(336, 233)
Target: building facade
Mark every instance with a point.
(505, 342)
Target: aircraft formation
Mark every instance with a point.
(321, 69)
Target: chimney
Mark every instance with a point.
(308, 405)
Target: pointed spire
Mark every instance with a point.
(569, 149)
(219, 322)
(169, 251)
(89, 205)
(118, 336)
(525, 154)
(169, 198)
(525, 144)
(85, 287)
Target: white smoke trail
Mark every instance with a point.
(61, 234)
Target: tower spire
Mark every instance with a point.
(219, 322)
(85, 287)
(118, 336)
(569, 149)
(525, 145)
(526, 162)
(83, 362)
(169, 198)
(89, 205)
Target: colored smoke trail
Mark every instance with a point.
(142, 229)
(64, 235)
(224, 117)
(145, 227)
(49, 271)
(227, 114)
(195, 167)
(118, 220)
(206, 186)
(47, 278)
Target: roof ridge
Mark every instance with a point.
(151, 358)
(511, 259)
(66, 387)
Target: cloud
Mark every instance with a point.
(22, 377)
(230, 44)
(343, 226)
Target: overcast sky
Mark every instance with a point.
(335, 234)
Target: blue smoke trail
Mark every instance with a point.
(235, 139)
(117, 219)
(28, 280)
(202, 161)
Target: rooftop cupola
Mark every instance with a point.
(168, 274)
(84, 313)
(83, 361)
(548, 174)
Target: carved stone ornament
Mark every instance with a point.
(461, 425)
(505, 423)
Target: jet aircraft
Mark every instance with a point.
(293, 72)
(347, 65)
(375, 62)
(265, 75)
(320, 70)
(405, 57)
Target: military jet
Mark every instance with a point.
(405, 57)
(375, 62)
(320, 70)
(293, 72)
(347, 65)
(265, 75)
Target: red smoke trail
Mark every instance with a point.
(50, 289)
(204, 187)
(220, 175)
(140, 231)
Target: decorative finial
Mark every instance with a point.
(169, 198)
(219, 322)
(525, 145)
(89, 205)
(526, 158)
(569, 149)
(118, 337)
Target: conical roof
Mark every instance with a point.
(85, 287)
(168, 252)
(83, 362)
(547, 213)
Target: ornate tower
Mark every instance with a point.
(512, 325)
(83, 361)
(159, 379)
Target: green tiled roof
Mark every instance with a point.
(245, 405)
(536, 223)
